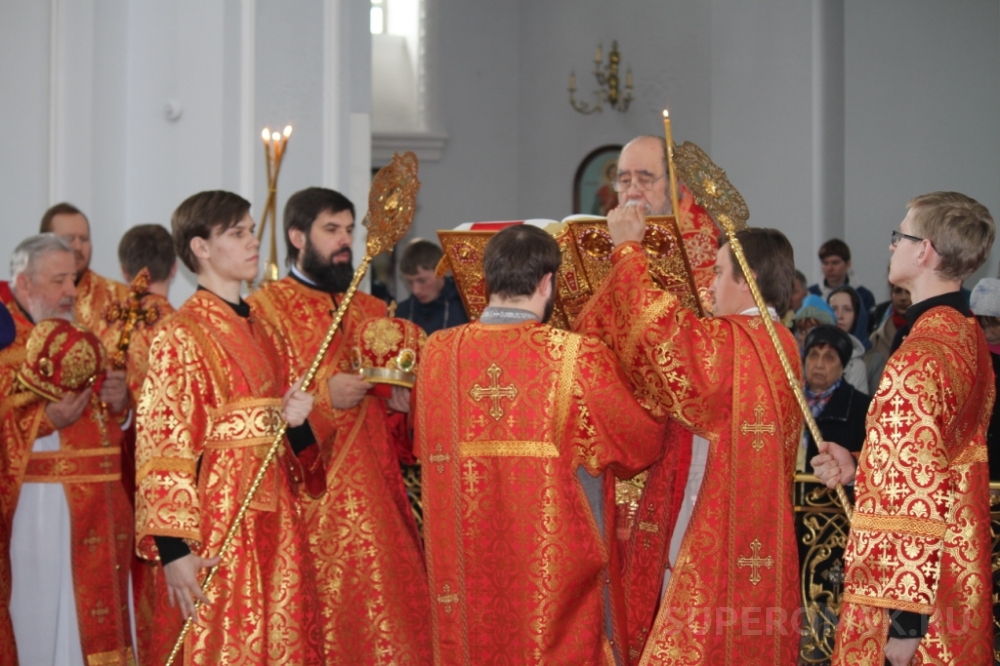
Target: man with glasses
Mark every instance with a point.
(918, 574)
(671, 485)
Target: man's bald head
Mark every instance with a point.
(642, 164)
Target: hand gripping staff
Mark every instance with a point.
(713, 191)
(391, 205)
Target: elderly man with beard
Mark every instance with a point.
(670, 486)
(65, 518)
(363, 538)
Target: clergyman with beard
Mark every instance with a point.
(47, 510)
(363, 539)
(516, 423)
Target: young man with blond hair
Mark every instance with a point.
(918, 579)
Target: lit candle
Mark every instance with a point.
(599, 56)
(669, 139)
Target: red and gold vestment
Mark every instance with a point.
(363, 538)
(522, 568)
(920, 535)
(733, 593)
(89, 466)
(148, 584)
(94, 294)
(207, 415)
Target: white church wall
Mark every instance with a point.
(24, 95)
(666, 45)
(116, 66)
(761, 111)
(923, 111)
(473, 51)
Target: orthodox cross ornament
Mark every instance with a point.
(494, 392)
(439, 458)
(758, 428)
(448, 598)
(755, 562)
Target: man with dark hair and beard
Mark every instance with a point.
(516, 423)
(363, 538)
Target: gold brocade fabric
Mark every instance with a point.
(506, 417)
(920, 536)
(206, 417)
(93, 296)
(88, 464)
(733, 593)
(363, 538)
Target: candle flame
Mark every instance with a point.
(666, 114)
(288, 131)
(265, 134)
(275, 136)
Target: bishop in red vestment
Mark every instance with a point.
(733, 593)
(515, 424)
(918, 587)
(363, 540)
(653, 509)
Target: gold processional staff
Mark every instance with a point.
(712, 191)
(391, 205)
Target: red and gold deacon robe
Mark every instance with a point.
(920, 535)
(362, 535)
(733, 592)
(94, 294)
(522, 567)
(148, 584)
(89, 465)
(207, 415)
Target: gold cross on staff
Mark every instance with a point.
(755, 562)
(132, 314)
(758, 428)
(494, 392)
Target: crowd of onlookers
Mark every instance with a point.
(846, 338)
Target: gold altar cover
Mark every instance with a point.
(733, 593)
(362, 535)
(207, 414)
(505, 415)
(920, 536)
(88, 465)
(586, 260)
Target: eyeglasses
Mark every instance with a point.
(643, 181)
(899, 235)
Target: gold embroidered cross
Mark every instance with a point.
(100, 612)
(472, 476)
(92, 540)
(755, 562)
(351, 505)
(494, 392)
(758, 428)
(447, 598)
(897, 419)
(106, 465)
(439, 458)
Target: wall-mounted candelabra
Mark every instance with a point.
(608, 80)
